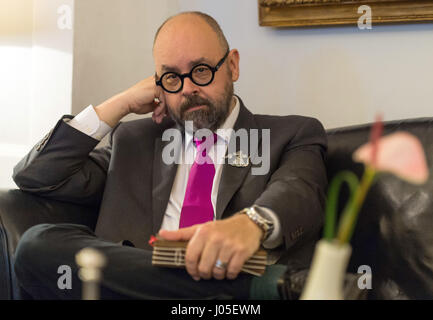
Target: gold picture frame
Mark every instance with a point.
(303, 13)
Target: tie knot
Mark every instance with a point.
(198, 142)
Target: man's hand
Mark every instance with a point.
(233, 241)
(139, 99)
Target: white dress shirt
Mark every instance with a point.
(89, 123)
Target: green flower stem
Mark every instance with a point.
(350, 214)
(332, 200)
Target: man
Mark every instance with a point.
(139, 194)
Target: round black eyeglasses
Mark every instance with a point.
(201, 74)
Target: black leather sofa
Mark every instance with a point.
(394, 234)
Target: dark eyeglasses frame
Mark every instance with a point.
(189, 75)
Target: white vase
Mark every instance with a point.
(326, 278)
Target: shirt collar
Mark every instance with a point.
(224, 132)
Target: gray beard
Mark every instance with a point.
(211, 117)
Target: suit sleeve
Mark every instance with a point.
(65, 166)
(296, 189)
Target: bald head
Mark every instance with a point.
(197, 18)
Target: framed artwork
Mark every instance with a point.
(302, 13)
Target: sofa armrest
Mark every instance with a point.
(18, 212)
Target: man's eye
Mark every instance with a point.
(171, 76)
(201, 69)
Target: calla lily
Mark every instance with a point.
(400, 153)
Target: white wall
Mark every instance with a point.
(35, 76)
(15, 65)
(341, 75)
(52, 65)
(113, 46)
(16, 21)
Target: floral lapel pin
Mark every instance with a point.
(238, 159)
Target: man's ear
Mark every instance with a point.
(233, 63)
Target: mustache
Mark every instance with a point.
(194, 101)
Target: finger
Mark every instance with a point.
(235, 265)
(193, 254)
(183, 234)
(159, 108)
(225, 255)
(161, 99)
(159, 113)
(208, 259)
(155, 117)
(159, 93)
(160, 118)
(154, 106)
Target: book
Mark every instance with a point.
(172, 254)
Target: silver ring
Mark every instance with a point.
(220, 265)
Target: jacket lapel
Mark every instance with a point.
(162, 182)
(233, 176)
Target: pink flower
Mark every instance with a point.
(400, 153)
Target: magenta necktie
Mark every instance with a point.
(197, 205)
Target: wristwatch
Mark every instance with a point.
(257, 217)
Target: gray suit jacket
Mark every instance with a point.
(130, 184)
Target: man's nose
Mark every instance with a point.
(189, 87)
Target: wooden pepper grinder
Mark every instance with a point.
(91, 263)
